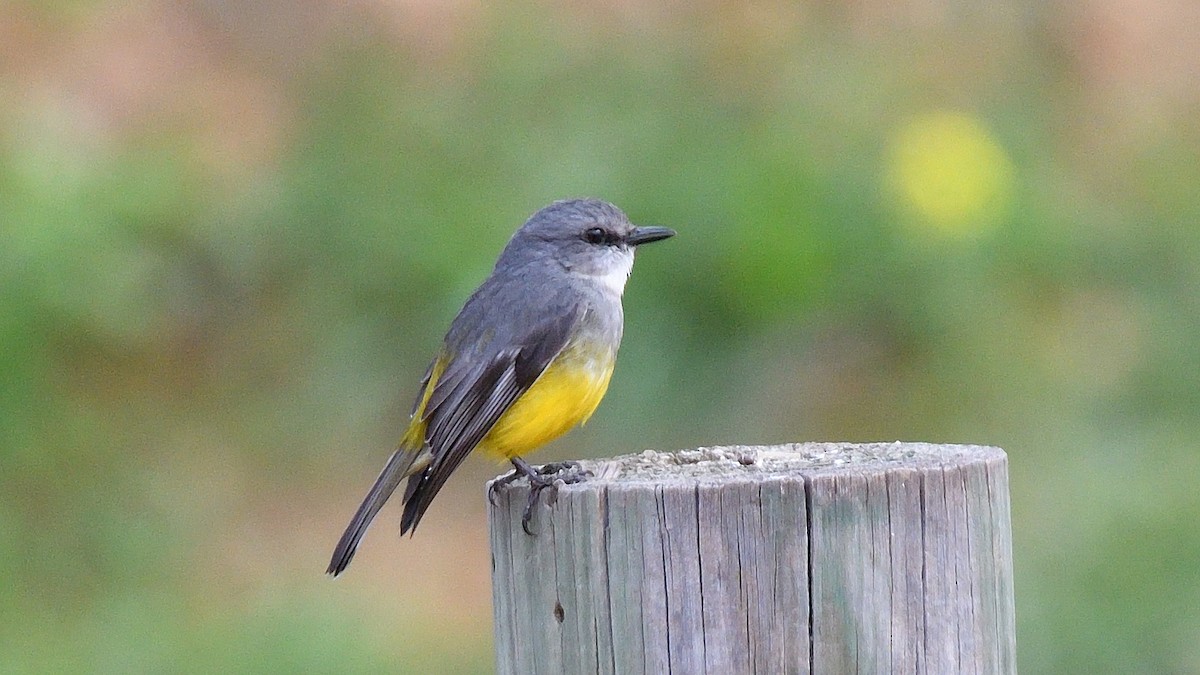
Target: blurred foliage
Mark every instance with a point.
(230, 236)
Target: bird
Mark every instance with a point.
(528, 358)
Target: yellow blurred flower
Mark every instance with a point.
(949, 170)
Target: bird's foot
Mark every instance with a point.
(550, 476)
(547, 476)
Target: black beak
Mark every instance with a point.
(645, 235)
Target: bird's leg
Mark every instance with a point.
(545, 476)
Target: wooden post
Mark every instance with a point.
(810, 558)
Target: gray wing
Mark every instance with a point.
(471, 395)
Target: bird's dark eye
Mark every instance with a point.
(597, 235)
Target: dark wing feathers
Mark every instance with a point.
(424, 384)
(460, 439)
(466, 420)
(475, 396)
(454, 377)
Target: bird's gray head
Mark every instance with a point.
(587, 237)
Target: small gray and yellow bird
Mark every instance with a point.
(528, 357)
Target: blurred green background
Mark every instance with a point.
(231, 234)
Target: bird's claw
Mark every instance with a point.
(547, 476)
(494, 487)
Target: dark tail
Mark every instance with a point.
(397, 467)
(422, 487)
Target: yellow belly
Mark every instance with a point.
(563, 397)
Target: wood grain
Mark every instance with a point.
(806, 558)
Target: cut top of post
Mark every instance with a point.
(737, 463)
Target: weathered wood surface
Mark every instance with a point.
(808, 558)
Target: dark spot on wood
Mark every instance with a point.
(558, 612)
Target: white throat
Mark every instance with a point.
(614, 279)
